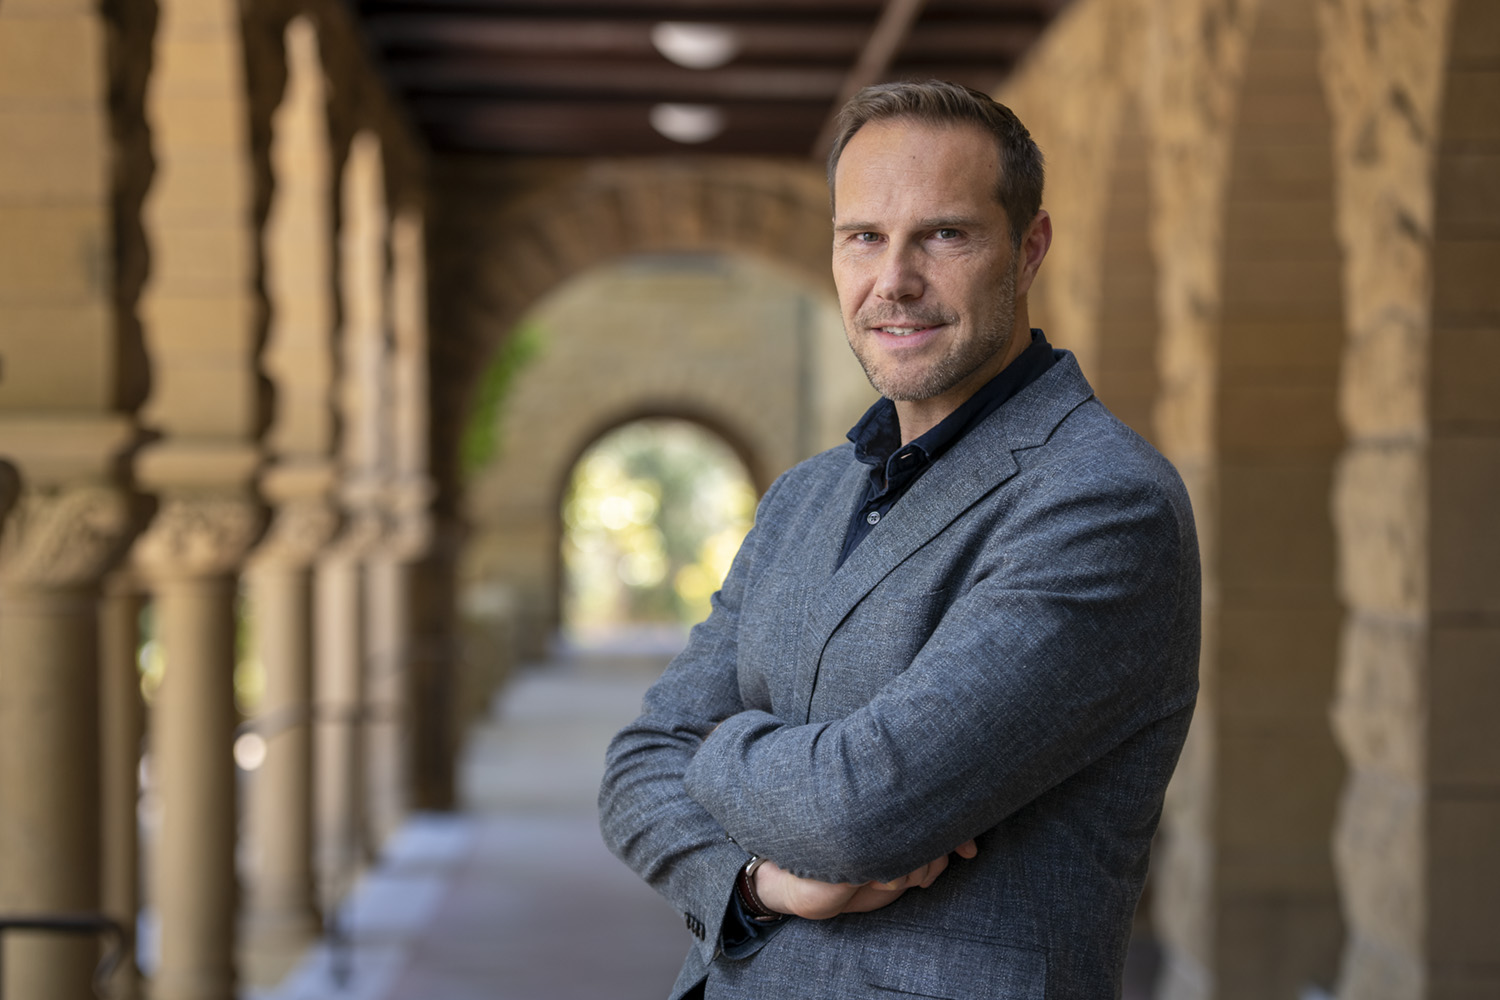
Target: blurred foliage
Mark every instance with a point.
(653, 517)
(485, 430)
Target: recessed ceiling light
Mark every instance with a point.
(687, 123)
(696, 46)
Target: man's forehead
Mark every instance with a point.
(916, 162)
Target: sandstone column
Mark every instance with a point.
(339, 706)
(1413, 93)
(121, 729)
(387, 592)
(190, 555)
(56, 545)
(405, 500)
(434, 665)
(364, 406)
(299, 478)
(281, 916)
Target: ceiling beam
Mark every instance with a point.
(885, 41)
(610, 82)
(695, 10)
(963, 38)
(582, 128)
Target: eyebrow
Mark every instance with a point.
(939, 222)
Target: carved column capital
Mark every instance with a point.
(200, 535)
(63, 536)
(408, 502)
(299, 531)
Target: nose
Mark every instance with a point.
(900, 278)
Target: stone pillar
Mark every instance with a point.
(54, 549)
(280, 917)
(1413, 94)
(387, 592)
(190, 555)
(405, 501)
(122, 726)
(434, 665)
(339, 707)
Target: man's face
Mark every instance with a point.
(923, 261)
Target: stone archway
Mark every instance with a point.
(502, 239)
(677, 460)
(727, 342)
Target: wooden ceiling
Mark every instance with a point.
(584, 77)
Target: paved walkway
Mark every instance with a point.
(515, 897)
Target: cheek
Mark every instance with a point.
(852, 291)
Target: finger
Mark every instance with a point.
(967, 849)
(933, 871)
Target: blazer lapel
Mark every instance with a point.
(976, 464)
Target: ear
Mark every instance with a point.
(1034, 245)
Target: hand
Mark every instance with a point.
(784, 892)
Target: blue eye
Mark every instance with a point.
(948, 234)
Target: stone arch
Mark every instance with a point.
(722, 340)
(717, 424)
(507, 251)
(711, 423)
(1124, 374)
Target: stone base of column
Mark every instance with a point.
(272, 942)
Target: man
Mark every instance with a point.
(973, 631)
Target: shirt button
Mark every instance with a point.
(873, 517)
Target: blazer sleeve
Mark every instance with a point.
(646, 816)
(1080, 629)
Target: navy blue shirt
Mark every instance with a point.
(893, 469)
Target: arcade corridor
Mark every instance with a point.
(515, 896)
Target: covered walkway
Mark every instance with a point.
(515, 897)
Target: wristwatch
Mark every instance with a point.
(744, 886)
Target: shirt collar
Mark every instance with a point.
(877, 435)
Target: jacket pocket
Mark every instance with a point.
(913, 963)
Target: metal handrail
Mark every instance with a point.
(72, 923)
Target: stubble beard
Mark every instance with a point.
(906, 382)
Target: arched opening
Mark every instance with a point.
(653, 514)
(729, 342)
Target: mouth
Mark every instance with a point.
(909, 333)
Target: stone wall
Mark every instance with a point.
(1413, 89)
(1321, 186)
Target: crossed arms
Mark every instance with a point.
(1037, 669)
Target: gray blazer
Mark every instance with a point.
(1011, 656)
